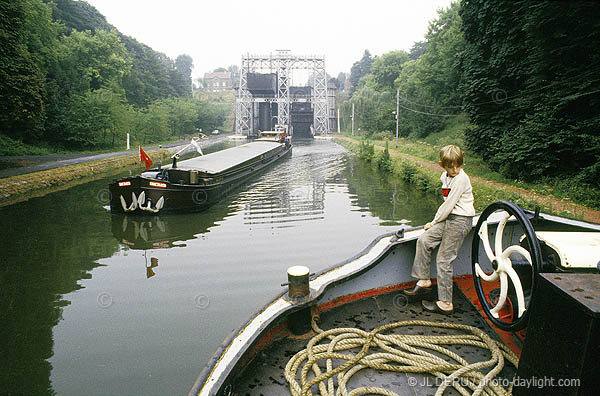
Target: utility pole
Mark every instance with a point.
(352, 119)
(397, 109)
(338, 120)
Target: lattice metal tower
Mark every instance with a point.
(282, 63)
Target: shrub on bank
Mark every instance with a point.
(366, 151)
(383, 160)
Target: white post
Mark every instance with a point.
(397, 109)
(338, 120)
(128, 142)
(352, 119)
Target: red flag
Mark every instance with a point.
(145, 159)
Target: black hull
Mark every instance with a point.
(185, 198)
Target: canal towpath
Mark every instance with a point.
(35, 163)
(39, 175)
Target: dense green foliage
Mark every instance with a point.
(524, 73)
(70, 79)
(428, 85)
(531, 86)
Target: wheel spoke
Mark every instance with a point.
(488, 278)
(483, 235)
(503, 293)
(516, 249)
(518, 288)
(500, 231)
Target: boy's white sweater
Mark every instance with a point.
(458, 197)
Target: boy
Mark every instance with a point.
(453, 221)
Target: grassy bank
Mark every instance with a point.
(19, 188)
(415, 161)
(427, 149)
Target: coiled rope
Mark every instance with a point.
(399, 353)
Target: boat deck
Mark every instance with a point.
(220, 161)
(265, 374)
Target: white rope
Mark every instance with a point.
(397, 353)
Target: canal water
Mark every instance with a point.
(101, 304)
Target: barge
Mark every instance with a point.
(525, 322)
(195, 184)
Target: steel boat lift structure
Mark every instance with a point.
(282, 63)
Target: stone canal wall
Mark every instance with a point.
(22, 187)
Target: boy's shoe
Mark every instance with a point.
(432, 306)
(418, 291)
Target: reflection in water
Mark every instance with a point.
(163, 231)
(150, 268)
(80, 314)
(48, 246)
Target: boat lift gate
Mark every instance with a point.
(282, 63)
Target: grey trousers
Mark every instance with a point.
(449, 235)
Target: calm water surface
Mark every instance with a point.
(102, 304)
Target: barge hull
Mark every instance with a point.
(217, 176)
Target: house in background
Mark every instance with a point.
(218, 81)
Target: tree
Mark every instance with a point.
(153, 123)
(341, 81)
(429, 84)
(184, 65)
(530, 87)
(78, 15)
(386, 69)
(418, 49)
(74, 81)
(359, 70)
(372, 109)
(91, 61)
(98, 118)
(27, 45)
(148, 79)
(235, 75)
(85, 62)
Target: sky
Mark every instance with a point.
(217, 33)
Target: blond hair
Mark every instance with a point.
(451, 155)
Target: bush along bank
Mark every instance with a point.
(425, 175)
(22, 187)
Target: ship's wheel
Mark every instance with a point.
(504, 275)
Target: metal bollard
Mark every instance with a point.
(299, 322)
(298, 282)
